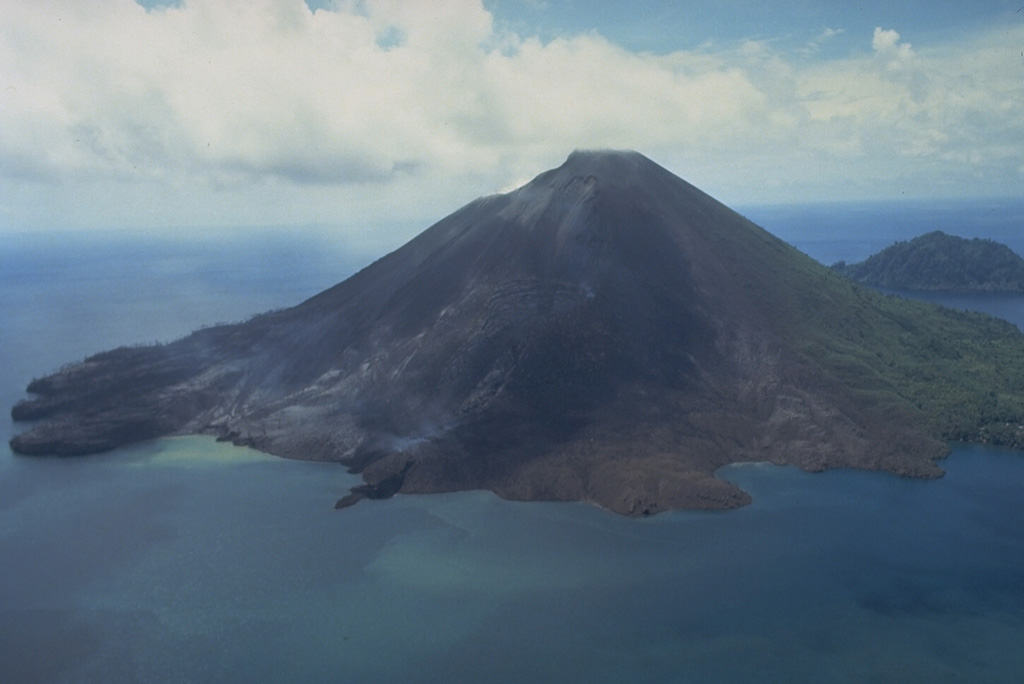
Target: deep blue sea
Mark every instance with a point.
(185, 560)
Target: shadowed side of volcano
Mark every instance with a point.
(605, 333)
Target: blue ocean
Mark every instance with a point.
(186, 560)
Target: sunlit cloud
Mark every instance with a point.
(392, 96)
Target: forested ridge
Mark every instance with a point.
(937, 261)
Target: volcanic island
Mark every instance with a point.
(606, 333)
(938, 262)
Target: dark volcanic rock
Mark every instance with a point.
(606, 333)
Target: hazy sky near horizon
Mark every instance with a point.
(366, 114)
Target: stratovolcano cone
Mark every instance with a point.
(606, 333)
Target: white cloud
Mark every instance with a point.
(827, 34)
(886, 43)
(885, 40)
(264, 108)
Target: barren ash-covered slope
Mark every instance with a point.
(606, 333)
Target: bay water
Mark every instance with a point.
(186, 560)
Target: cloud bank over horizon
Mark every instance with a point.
(219, 112)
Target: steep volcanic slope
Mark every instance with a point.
(605, 333)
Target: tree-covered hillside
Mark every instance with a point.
(959, 373)
(940, 262)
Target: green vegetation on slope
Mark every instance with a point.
(961, 374)
(940, 262)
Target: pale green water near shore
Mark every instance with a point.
(188, 560)
(181, 561)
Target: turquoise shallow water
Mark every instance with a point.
(185, 560)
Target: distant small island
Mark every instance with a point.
(939, 262)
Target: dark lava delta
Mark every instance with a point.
(606, 333)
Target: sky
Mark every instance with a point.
(378, 117)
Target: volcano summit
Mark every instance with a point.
(606, 333)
